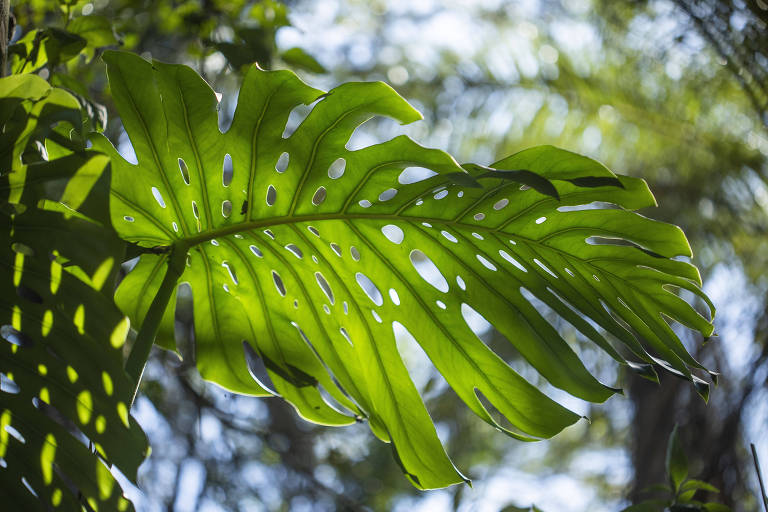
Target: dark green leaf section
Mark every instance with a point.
(64, 396)
(318, 257)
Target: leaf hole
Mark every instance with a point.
(215, 242)
(226, 208)
(479, 216)
(394, 296)
(227, 170)
(282, 162)
(184, 171)
(501, 203)
(487, 264)
(370, 289)
(376, 316)
(387, 194)
(313, 230)
(365, 203)
(158, 197)
(319, 196)
(335, 247)
(440, 195)
(293, 249)
(426, 224)
(414, 175)
(323, 284)
(393, 233)
(428, 271)
(174, 226)
(569, 272)
(449, 236)
(344, 333)
(194, 210)
(256, 251)
(478, 236)
(15, 337)
(540, 220)
(354, 253)
(257, 368)
(336, 169)
(269, 233)
(271, 195)
(460, 193)
(419, 202)
(232, 274)
(326, 309)
(504, 254)
(346, 307)
(440, 304)
(474, 320)
(460, 282)
(278, 283)
(544, 267)
(128, 218)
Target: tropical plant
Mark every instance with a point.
(680, 491)
(306, 260)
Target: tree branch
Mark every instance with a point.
(5, 15)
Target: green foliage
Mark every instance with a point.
(64, 405)
(679, 492)
(313, 258)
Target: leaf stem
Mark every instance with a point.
(137, 359)
(759, 477)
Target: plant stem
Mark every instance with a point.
(137, 359)
(5, 14)
(763, 496)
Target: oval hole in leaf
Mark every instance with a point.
(158, 197)
(282, 162)
(226, 208)
(461, 283)
(479, 216)
(441, 194)
(271, 195)
(227, 170)
(319, 196)
(313, 230)
(394, 296)
(504, 254)
(11, 335)
(278, 283)
(414, 175)
(355, 253)
(393, 233)
(487, 264)
(194, 210)
(369, 288)
(428, 270)
(231, 271)
(337, 168)
(184, 171)
(293, 249)
(387, 194)
(365, 203)
(128, 218)
(257, 368)
(256, 251)
(344, 333)
(501, 203)
(335, 247)
(546, 269)
(325, 287)
(449, 236)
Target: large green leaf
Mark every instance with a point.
(312, 267)
(64, 402)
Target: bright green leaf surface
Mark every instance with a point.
(312, 255)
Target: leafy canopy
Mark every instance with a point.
(310, 258)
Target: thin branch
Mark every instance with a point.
(5, 15)
(759, 477)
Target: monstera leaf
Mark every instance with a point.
(65, 396)
(309, 257)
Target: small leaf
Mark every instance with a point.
(676, 461)
(300, 59)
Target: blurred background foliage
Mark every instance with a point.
(674, 91)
